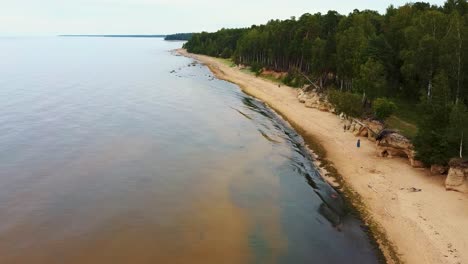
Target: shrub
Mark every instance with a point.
(294, 79)
(346, 102)
(432, 147)
(227, 53)
(256, 68)
(383, 108)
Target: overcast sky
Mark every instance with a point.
(51, 17)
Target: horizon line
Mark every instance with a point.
(115, 35)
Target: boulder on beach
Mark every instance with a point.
(457, 176)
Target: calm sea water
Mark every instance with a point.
(114, 150)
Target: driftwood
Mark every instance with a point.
(311, 82)
(385, 132)
(366, 126)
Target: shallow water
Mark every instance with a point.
(114, 150)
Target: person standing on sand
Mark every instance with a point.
(358, 143)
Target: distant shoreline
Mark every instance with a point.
(423, 227)
(115, 36)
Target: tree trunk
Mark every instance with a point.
(457, 96)
(311, 82)
(461, 147)
(429, 86)
(431, 72)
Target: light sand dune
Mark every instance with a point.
(430, 226)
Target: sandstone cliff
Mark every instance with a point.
(312, 99)
(391, 143)
(457, 176)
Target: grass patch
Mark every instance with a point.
(409, 130)
(247, 70)
(272, 78)
(227, 62)
(406, 111)
(405, 118)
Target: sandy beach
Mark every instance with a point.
(421, 227)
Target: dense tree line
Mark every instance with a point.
(418, 52)
(179, 36)
(220, 44)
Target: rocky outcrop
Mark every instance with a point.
(457, 176)
(373, 128)
(367, 128)
(389, 143)
(313, 99)
(392, 144)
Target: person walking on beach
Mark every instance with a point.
(358, 143)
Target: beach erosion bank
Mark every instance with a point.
(428, 226)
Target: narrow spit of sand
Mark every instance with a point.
(430, 226)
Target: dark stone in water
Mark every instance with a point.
(330, 215)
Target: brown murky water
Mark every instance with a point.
(117, 151)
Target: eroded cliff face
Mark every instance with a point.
(367, 128)
(391, 143)
(457, 176)
(313, 99)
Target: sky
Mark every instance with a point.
(53, 17)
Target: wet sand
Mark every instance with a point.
(423, 227)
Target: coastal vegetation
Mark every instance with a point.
(408, 66)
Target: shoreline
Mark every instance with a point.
(410, 227)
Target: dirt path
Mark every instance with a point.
(430, 226)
